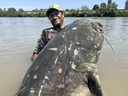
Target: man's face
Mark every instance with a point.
(56, 18)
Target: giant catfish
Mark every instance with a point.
(67, 64)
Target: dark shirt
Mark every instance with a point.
(44, 38)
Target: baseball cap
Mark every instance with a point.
(54, 6)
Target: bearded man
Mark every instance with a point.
(56, 17)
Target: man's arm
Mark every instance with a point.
(40, 45)
(34, 57)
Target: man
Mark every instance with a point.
(56, 17)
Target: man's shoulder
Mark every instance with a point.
(47, 29)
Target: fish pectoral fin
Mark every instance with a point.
(21, 90)
(94, 85)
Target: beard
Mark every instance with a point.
(58, 25)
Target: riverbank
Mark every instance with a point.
(69, 13)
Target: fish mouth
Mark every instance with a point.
(98, 27)
(21, 90)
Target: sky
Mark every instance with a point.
(29, 5)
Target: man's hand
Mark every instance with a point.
(34, 57)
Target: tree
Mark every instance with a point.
(0, 10)
(67, 10)
(35, 10)
(109, 10)
(1, 13)
(11, 12)
(85, 7)
(11, 9)
(113, 11)
(114, 5)
(4, 12)
(21, 10)
(109, 2)
(103, 5)
(24, 14)
(103, 8)
(96, 7)
(72, 12)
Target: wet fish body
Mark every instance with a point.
(67, 64)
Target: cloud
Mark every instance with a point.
(26, 8)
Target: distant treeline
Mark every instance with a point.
(11, 12)
(96, 13)
(104, 10)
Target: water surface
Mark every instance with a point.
(18, 37)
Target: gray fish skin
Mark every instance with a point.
(67, 65)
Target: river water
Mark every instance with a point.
(18, 37)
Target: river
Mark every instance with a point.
(18, 37)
